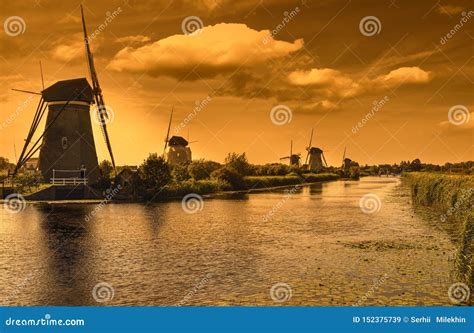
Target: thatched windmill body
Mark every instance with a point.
(177, 150)
(67, 153)
(294, 159)
(315, 159)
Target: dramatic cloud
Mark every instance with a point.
(449, 9)
(404, 75)
(330, 83)
(334, 82)
(137, 39)
(214, 50)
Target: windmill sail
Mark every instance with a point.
(309, 146)
(168, 132)
(97, 91)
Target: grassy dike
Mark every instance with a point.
(257, 182)
(453, 197)
(210, 186)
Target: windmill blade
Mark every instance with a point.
(324, 159)
(168, 133)
(344, 155)
(309, 146)
(97, 91)
(42, 78)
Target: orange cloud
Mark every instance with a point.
(404, 75)
(332, 82)
(211, 51)
(133, 39)
(449, 9)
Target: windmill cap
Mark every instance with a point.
(315, 150)
(69, 90)
(178, 141)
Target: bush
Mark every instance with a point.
(154, 174)
(180, 172)
(229, 175)
(202, 169)
(239, 163)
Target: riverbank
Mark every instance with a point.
(249, 183)
(453, 197)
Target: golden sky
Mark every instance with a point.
(390, 80)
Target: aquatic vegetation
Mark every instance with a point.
(453, 197)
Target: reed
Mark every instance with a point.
(453, 197)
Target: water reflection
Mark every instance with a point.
(314, 238)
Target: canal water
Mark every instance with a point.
(311, 245)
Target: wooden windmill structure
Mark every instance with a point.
(178, 151)
(67, 153)
(315, 155)
(294, 159)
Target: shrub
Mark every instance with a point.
(229, 175)
(154, 173)
(202, 169)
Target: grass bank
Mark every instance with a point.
(209, 186)
(453, 197)
(254, 182)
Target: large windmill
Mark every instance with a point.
(294, 159)
(317, 161)
(178, 150)
(67, 153)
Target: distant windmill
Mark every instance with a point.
(178, 150)
(66, 146)
(294, 159)
(317, 161)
